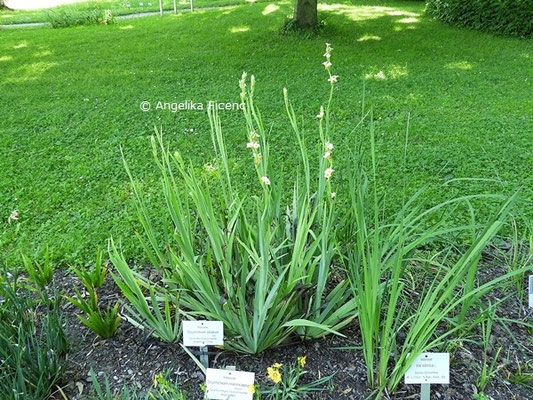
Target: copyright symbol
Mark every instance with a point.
(145, 106)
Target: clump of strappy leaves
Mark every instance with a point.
(103, 321)
(33, 340)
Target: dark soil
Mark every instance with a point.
(132, 357)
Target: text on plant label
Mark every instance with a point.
(203, 333)
(429, 368)
(222, 384)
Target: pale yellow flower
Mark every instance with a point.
(327, 155)
(252, 145)
(327, 64)
(333, 195)
(242, 81)
(274, 374)
(333, 78)
(321, 113)
(329, 49)
(328, 172)
(251, 389)
(265, 180)
(158, 379)
(329, 146)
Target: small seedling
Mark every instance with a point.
(103, 322)
(523, 374)
(488, 370)
(41, 274)
(93, 276)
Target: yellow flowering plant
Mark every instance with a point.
(285, 381)
(164, 389)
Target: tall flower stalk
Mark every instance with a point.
(260, 266)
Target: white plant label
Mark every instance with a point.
(223, 384)
(429, 368)
(531, 290)
(203, 333)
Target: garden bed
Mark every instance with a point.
(134, 358)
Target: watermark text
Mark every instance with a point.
(190, 105)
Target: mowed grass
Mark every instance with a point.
(70, 99)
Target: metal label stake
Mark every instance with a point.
(530, 290)
(204, 356)
(203, 334)
(425, 390)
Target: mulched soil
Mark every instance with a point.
(131, 357)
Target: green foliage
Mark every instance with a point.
(164, 389)
(286, 382)
(102, 322)
(488, 368)
(507, 17)
(519, 255)
(523, 374)
(94, 275)
(105, 392)
(40, 273)
(261, 266)
(379, 264)
(66, 18)
(33, 343)
(158, 313)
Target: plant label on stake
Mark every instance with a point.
(203, 334)
(429, 368)
(222, 384)
(531, 290)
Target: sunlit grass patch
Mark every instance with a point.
(464, 65)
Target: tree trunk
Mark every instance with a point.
(306, 13)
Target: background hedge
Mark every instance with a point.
(508, 17)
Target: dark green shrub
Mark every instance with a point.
(507, 17)
(66, 18)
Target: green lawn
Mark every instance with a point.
(70, 98)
